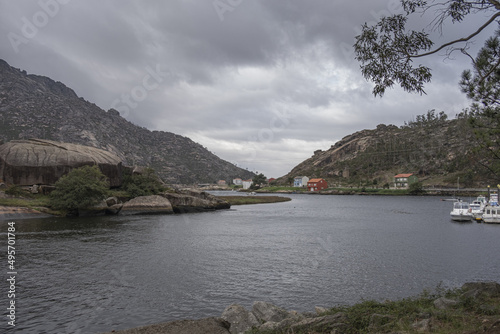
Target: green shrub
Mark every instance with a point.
(79, 189)
(17, 191)
(144, 184)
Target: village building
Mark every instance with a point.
(221, 183)
(403, 181)
(316, 184)
(238, 182)
(247, 184)
(300, 181)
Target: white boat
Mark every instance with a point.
(477, 207)
(491, 214)
(461, 211)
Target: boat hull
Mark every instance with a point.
(491, 214)
(461, 217)
(491, 220)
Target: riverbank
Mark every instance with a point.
(377, 191)
(15, 212)
(474, 308)
(245, 200)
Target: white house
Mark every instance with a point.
(300, 181)
(246, 184)
(238, 182)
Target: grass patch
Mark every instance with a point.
(37, 202)
(32, 203)
(243, 200)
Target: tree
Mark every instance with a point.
(416, 188)
(81, 188)
(387, 50)
(258, 180)
(482, 86)
(147, 183)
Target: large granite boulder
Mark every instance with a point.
(240, 319)
(268, 312)
(38, 161)
(153, 204)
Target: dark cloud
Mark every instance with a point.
(260, 83)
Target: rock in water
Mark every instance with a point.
(37, 161)
(184, 201)
(153, 204)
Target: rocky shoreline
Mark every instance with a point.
(179, 201)
(480, 301)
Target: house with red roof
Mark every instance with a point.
(403, 181)
(316, 184)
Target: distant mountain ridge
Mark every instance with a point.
(33, 106)
(439, 151)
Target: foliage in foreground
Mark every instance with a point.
(81, 188)
(469, 315)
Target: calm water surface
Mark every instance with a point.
(91, 275)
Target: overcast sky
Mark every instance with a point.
(262, 84)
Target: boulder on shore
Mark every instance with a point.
(240, 319)
(39, 161)
(153, 204)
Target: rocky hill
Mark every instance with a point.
(438, 150)
(33, 106)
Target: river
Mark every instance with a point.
(90, 275)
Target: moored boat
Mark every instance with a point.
(461, 211)
(477, 207)
(491, 214)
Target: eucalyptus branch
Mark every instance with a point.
(464, 39)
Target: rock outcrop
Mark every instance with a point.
(182, 201)
(33, 106)
(153, 204)
(240, 319)
(429, 149)
(190, 200)
(37, 161)
(109, 206)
